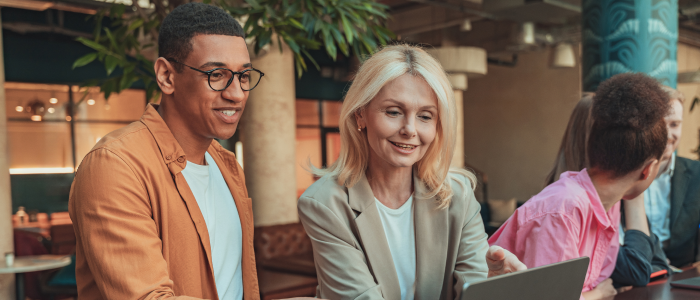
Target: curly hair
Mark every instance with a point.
(628, 123)
(186, 21)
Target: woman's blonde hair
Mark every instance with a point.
(572, 152)
(382, 67)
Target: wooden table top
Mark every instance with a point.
(662, 289)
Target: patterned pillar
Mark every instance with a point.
(622, 36)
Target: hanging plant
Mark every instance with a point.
(125, 37)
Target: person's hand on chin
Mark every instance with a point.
(501, 261)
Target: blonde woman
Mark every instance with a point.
(389, 219)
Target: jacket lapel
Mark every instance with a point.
(233, 175)
(175, 160)
(373, 239)
(679, 186)
(431, 227)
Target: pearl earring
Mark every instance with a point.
(359, 128)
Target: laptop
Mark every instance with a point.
(561, 281)
(689, 283)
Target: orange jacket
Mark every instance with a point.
(139, 231)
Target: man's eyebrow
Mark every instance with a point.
(248, 65)
(212, 64)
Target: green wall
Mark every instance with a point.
(42, 192)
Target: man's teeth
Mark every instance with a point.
(228, 112)
(403, 146)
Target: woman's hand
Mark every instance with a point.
(604, 290)
(501, 261)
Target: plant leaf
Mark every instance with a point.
(110, 64)
(84, 60)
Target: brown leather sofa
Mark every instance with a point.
(285, 261)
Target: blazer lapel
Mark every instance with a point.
(679, 186)
(431, 227)
(373, 239)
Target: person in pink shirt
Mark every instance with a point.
(579, 215)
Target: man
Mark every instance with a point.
(672, 202)
(159, 208)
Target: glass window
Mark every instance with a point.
(39, 127)
(308, 151)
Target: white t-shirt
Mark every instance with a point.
(223, 224)
(400, 234)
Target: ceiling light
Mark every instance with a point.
(68, 118)
(36, 118)
(52, 110)
(53, 100)
(91, 102)
(19, 108)
(563, 56)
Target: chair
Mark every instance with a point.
(62, 234)
(284, 248)
(285, 262)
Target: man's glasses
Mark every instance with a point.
(221, 78)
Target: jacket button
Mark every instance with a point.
(168, 157)
(181, 159)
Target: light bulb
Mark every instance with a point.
(19, 108)
(53, 100)
(51, 110)
(68, 118)
(91, 102)
(36, 118)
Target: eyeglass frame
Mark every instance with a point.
(239, 73)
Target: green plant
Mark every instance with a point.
(123, 34)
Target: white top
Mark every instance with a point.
(223, 224)
(400, 234)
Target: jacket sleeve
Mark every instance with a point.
(115, 232)
(637, 259)
(470, 265)
(341, 267)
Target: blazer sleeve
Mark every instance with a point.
(341, 267)
(470, 265)
(115, 232)
(633, 266)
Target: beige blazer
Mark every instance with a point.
(352, 255)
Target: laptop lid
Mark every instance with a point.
(689, 283)
(562, 281)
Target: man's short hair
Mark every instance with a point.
(673, 94)
(188, 20)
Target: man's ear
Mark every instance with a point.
(648, 167)
(165, 75)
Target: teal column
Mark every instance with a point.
(621, 36)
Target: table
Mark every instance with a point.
(661, 289)
(24, 264)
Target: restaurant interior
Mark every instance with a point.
(517, 70)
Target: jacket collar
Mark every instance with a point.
(431, 226)
(174, 157)
(170, 150)
(679, 188)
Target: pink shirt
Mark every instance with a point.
(564, 221)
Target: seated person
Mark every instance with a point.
(640, 251)
(389, 219)
(672, 201)
(579, 215)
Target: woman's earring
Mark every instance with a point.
(359, 128)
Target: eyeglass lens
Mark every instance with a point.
(220, 79)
